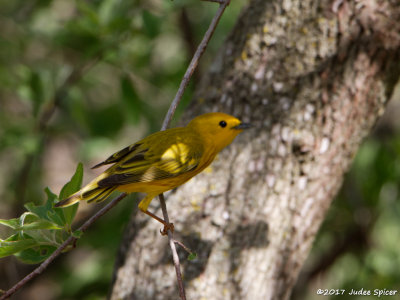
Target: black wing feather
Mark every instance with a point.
(117, 156)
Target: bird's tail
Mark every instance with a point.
(90, 193)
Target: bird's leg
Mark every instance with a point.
(167, 226)
(144, 204)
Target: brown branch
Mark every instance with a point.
(175, 256)
(183, 246)
(58, 251)
(195, 61)
(185, 81)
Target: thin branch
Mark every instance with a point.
(58, 251)
(183, 246)
(175, 256)
(185, 81)
(195, 61)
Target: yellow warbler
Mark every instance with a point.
(162, 161)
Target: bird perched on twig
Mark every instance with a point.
(162, 160)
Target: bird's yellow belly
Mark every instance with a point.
(156, 186)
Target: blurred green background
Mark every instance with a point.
(82, 79)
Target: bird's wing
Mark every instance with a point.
(166, 157)
(117, 156)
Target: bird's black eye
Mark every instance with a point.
(222, 124)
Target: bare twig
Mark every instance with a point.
(175, 256)
(185, 81)
(195, 61)
(58, 251)
(183, 246)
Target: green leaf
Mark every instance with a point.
(41, 224)
(46, 211)
(68, 189)
(13, 223)
(42, 210)
(35, 255)
(74, 184)
(31, 221)
(77, 234)
(192, 256)
(10, 246)
(56, 215)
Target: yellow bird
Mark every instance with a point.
(162, 160)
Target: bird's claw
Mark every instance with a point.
(167, 226)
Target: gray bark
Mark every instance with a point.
(313, 77)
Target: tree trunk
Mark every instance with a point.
(313, 77)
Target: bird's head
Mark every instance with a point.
(218, 129)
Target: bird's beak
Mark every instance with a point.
(242, 126)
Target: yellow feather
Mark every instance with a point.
(163, 160)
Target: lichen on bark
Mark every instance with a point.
(313, 77)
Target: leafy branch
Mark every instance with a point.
(42, 229)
